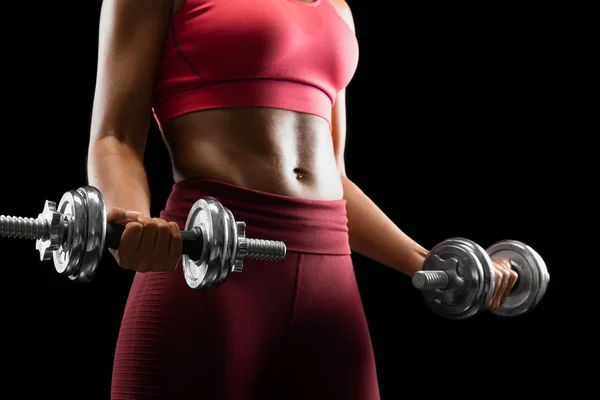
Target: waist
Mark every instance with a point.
(270, 150)
(293, 96)
(304, 225)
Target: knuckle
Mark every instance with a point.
(150, 225)
(174, 228)
(164, 229)
(161, 223)
(131, 236)
(132, 227)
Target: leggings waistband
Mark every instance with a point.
(304, 225)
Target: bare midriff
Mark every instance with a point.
(271, 150)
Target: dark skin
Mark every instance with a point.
(271, 150)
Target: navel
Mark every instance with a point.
(300, 173)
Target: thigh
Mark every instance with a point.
(177, 343)
(328, 354)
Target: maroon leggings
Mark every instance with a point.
(279, 330)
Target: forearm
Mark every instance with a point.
(117, 170)
(374, 235)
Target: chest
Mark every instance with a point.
(266, 34)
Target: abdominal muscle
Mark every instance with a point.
(270, 150)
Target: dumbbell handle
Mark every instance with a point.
(437, 279)
(35, 228)
(191, 240)
(39, 229)
(257, 249)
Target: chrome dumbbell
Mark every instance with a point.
(75, 233)
(457, 279)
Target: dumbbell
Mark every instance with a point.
(74, 234)
(457, 278)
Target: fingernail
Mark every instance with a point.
(132, 214)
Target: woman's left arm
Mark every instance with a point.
(372, 233)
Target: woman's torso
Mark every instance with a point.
(264, 148)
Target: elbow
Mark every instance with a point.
(108, 157)
(108, 146)
(113, 133)
(110, 151)
(113, 142)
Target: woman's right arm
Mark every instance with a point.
(131, 38)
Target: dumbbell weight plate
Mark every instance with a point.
(79, 257)
(488, 273)
(219, 244)
(67, 257)
(533, 276)
(473, 267)
(95, 233)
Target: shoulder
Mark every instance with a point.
(343, 9)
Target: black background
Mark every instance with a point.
(444, 118)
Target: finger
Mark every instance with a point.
(497, 285)
(511, 278)
(175, 244)
(146, 246)
(514, 277)
(130, 241)
(502, 289)
(160, 260)
(118, 215)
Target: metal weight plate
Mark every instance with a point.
(488, 272)
(233, 250)
(471, 278)
(228, 240)
(67, 258)
(212, 268)
(533, 276)
(95, 234)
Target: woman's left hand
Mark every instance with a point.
(504, 280)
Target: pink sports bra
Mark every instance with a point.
(283, 54)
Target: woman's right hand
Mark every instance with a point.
(147, 244)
